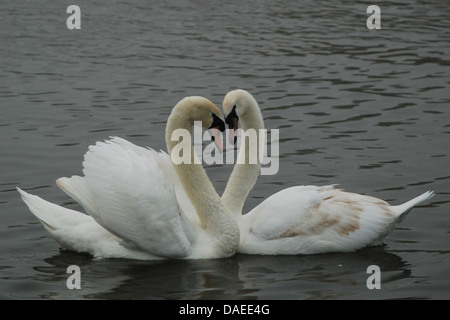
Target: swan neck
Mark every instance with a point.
(245, 173)
(214, 217)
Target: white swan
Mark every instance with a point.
(139, 202)
(302, 219)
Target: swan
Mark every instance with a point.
(301, 219)
(140, 204)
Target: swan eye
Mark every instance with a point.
(217, 123)
(232, 119)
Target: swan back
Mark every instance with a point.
(311, 219)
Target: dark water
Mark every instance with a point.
(366, 109)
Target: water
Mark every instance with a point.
(365, 109)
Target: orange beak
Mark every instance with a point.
(232, 135)
(216, 136)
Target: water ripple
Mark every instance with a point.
(367, 109)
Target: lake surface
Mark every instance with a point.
(366, 109)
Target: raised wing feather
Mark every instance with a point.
(129, 194)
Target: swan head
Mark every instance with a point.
(207, 113)
(238, 104)
(197, 109)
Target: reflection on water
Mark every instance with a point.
(331, 276)
(367, 110)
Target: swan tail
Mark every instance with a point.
(54, 217)
(39, 207)
(79, 232)
(404, 208)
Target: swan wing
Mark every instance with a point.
(165, 163)
(310, 219)
(128, 192)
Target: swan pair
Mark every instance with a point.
(142, 206)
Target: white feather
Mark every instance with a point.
(127, 192)
(79, 232)
(310, 220)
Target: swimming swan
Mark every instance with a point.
(301, 219)
(140, 204)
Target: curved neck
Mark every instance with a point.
(213, 215)
(245, 173)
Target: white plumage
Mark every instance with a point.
(310, 219)
(126, 190)
(138, 206)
